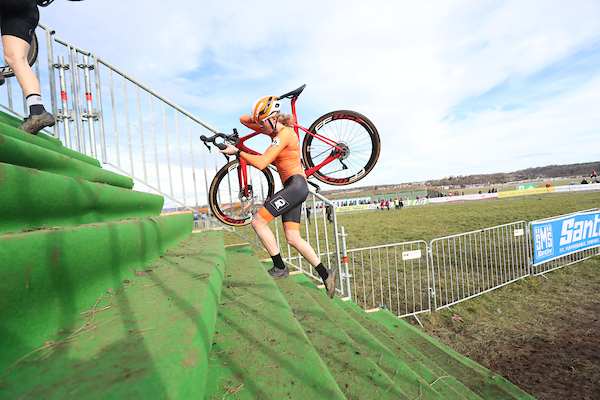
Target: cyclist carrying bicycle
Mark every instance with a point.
(18, 20)
(284, 152)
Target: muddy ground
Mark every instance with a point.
(542, 334)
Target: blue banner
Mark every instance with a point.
(560, 237)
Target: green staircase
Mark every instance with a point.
(104, 298)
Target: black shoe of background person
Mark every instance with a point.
(34, 123)
(330, 283)
(278, 273)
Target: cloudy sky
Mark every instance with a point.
(454, 87)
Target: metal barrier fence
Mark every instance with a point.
(467, 265)
(394, 277)
(412, 277)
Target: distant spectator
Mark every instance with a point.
(308, 214)
(329, 211)
(584, 182)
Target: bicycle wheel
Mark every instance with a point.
(31, 57)
(358, 138)
(229, 202)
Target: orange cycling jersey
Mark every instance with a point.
(284, 152)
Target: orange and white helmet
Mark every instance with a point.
(265, 107)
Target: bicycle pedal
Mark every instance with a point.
(317, 187)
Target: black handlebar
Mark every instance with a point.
(229, 138)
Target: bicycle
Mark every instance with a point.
(339, 148)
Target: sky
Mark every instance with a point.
(453, 87)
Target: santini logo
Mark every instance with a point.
(279, 203)
(575, 231)
(543, 240)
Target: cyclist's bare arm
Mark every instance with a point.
(246, 120)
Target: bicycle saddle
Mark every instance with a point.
(293, 93)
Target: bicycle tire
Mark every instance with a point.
(6, 70)
(227, 202)
(356, 134)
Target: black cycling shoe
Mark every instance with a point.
(330, 282)
(34, 123)
(278, 273)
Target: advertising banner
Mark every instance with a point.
(526, 192)
(361, 207)
(466, 197)
(557, 238)
(577, 188)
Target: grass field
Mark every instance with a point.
(541, 333)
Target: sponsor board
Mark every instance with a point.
(526, 192)
(466, 197)
(526, 187)
(560, 237)
(411, 255)
(361, 207)
(577, 188)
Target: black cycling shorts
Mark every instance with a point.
(19, 18)
(287, 202)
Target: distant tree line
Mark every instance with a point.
(550, 171)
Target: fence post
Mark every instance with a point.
(345, 276)
(64, 115)
(87, 113)
(431, 280)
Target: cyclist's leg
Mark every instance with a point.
(18, 26)
(261, 227)
(15, 54)
(280, 203)
(291, 226)
(291, 220)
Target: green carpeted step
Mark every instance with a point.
(8, 127)
(389, 356)
(30, 199)
(48, 277)
(259, 349)
(25, 154)
(438, 378)
(149, 339)
(356, 373)
(480, 380)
